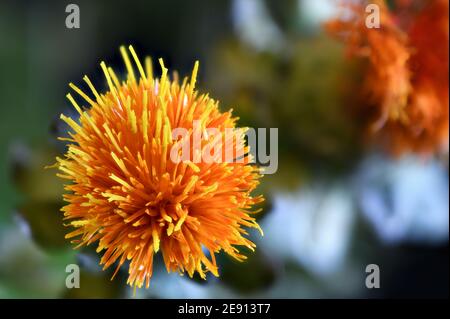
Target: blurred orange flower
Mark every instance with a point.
(405, 88)
(128, 195)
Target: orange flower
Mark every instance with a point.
(127, 193)
(406, 76)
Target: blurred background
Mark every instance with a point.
(334, 206)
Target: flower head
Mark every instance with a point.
(126, 192)
(406, 82)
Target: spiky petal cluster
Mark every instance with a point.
(127, 194)
(406, 78)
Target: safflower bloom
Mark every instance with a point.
(405, 88)
(127, 193)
